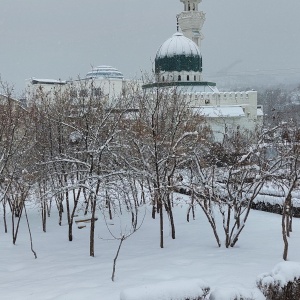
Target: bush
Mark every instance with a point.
(274, 208)
(235, 293)
(283, 283)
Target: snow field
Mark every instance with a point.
(65, 271)
(178, 289)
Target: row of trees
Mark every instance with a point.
(83, 155)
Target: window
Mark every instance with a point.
(163, 79)
(179, 77)
(195, 78)
(188, 77)
(97, 92)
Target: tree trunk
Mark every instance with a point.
(170, 212)
(109, 206)
(153, 211)
(71, 218)
(92, 230)
(30, 236)
(15, 232)
(116, 257)
(206, 209)
(87, 206)
(49, 208)
(60, 209)
(44, 215)
(161, 225)
(284, 236)
(226, 228)
(70, 221)
(285, 221)
(4, 216)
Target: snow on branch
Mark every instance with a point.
(183, 136)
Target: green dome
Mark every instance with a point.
(178, 54)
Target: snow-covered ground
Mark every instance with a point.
(64, 270)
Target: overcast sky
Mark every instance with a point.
(64, 38)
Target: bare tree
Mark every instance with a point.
(227, 177)
(124, 234)
(158, 139)
(14, 147)
(286, 154)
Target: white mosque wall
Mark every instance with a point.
(226, 126)
(228, 112)
(39, 90)
(246, 100)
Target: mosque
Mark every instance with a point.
(178, 63)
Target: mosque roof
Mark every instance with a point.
(178, 53)
(178, 44)
(105, 72)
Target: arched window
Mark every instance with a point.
(179, 77)
(195, 78)
(188, 77)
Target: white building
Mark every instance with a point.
(178, 63)
(104, 81)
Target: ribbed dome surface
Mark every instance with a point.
(105, 72)
(178, 44)
(178, 53)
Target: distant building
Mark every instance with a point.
(104, 81)
(178, 63)
(8, 100)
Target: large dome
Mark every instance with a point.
(105, 72)
(178, 53)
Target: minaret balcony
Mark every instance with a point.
(191, 19)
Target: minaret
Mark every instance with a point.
(191, 21)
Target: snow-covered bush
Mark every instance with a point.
(189, 289)
(235, 293)
(283, 283)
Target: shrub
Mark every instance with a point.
(283, 283)
(236, 293)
